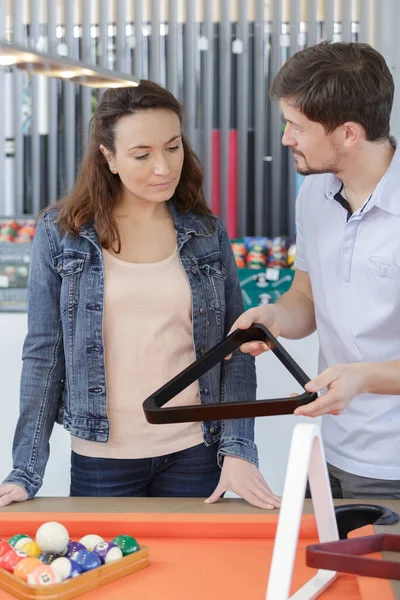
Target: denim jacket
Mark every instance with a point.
(63, 373)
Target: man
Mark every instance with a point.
(337, 100)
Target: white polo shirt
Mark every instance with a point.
(354, 267)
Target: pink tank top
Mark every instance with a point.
(148, 340)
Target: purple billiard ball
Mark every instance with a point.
(108, 552)
(86, 559)
(73, 547)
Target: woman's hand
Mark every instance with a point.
(10, 492)
(244, 479)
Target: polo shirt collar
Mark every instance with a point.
(386, 194)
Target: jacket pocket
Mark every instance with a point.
(214, 276)
(70, 269)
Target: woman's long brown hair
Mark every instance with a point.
(97, 190)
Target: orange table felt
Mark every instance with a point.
(197, 556)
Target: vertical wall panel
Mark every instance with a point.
(2, 112)
(139, 39)
(86, 93)
(328, 18)
(259, 120)
(52, 153)
(292, 188)
(18, 36)
(311, 22)
(155, 41)
(395, 67)
(243, 109)
(276, 126)
(346, 20)
(189, 71)
(207, 99)
(365, 17)
(36, 107)
(377, 20)
(69, 103)
(172, 47)
(121, 36)
(103, 32)
(225, 57)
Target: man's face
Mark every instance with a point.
(313, 149)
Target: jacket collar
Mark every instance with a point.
(184, 223)
(187, 223)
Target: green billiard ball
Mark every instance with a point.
(126, 543)
(19, 536)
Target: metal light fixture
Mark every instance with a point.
(63, 68)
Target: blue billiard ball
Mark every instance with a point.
(86, 559)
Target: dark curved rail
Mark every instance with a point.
(154, 412)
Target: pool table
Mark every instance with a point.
(197, 551)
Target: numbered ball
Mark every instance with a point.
(66, 568)
(86, 559)
(26, 566)
(52, 537)
(10, 560)
(91, 540)
(127, 543)
(108, 552)
(44, 575)
(74, 547)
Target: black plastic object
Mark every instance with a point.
(154, 412)
(353, 516)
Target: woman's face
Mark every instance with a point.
(148, 154)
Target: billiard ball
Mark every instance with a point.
(32, 549)
(91, 540)
(47, 558)
(86, 559)
(22, 542)
(26, 566)
(52, 537)
(127, 543)
(4, 548)
(108, 552)
(10, 560)
(19, 536)
(66, 568)
(44, 575)
(74, 547)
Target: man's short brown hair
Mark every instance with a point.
(332, 83)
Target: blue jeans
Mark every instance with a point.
(191, 473)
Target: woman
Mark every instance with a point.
(131, 278)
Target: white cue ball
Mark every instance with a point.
(52, 537)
